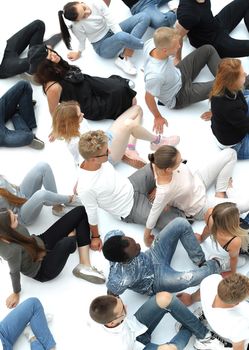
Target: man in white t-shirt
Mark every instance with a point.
(101, 186)
(225, 307)
(173, 84)
(111, 329)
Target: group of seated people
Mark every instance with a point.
(163, 194)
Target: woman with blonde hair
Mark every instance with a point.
(122, 135)
(223, 224)
(177, 186)
(230, 121)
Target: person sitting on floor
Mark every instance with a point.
(173, 85)
(116, 330)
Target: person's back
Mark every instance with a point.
(225, 308)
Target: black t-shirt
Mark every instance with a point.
(130, 3)
(198, 19)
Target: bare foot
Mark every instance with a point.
(206, 116)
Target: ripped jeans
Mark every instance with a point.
(162, 251)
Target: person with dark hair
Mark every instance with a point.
(177, 186)
(93, 20)
(44, 256)
(28, 317)
(10, 50)
(99, 98)
(28, 199)
(196, 20)
(150, 272)
(133, 332)
(16, 106)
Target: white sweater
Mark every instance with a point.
(107, 189)
(96, 26)
(185, 191)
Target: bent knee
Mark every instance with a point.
(39, 24)
(163, 299)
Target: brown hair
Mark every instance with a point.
(164, 157)
(226, 77)
(66, 120)
(102, 309)
(226, 218)
(234, 288)
(11, 198)
(8, 234)
(91, 143)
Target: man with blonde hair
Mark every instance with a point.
(173, 84)
(101, 186)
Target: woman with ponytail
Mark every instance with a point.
(95, 22)
(28, 198)
(44, 256)
(177, 186)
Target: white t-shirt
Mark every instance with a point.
(96, 26)
(231, 323)
(185, 191)
(1, 345)
(122, 337)
(162, 79)
(107, 189)
(72, 145)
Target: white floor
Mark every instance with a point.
(67, 297)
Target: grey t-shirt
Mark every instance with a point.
(19, 260)
(162, 79)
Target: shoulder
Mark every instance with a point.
(52, 86)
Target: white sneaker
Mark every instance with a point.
(208, 344)
(225, 262)
(173, 5)
(89, 273)
(126, 66)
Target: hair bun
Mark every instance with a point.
(151, 157)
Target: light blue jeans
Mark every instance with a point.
(30, 188)
(157, 18)
(163, 249)
(31, 310)
(150, 314)
(133, 28)
(242, 147)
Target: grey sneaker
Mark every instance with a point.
(224, 262)
(89, 273)
(37, 143)
(58, 210)
(209, 343)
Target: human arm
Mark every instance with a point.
(159, 120)
(239, 346)
(53, 92)
(109, 16)
(182, 32)
(189, 299)
(207, 229)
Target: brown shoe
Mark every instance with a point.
(133, 159)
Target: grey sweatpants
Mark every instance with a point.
(143, 182)
(190, 67)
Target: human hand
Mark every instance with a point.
(148, 239)
(12, 300)
(151, 195)
(51, 137)
(226, 274)
(206, 116)
(198, 237)
(73, 55)
(96, 244)
(159, 123)
(185, 298)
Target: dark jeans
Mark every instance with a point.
(229, 17)
(59, 246)
(23, 119)
(190, 67)
(30, 35)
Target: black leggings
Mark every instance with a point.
(59, 246)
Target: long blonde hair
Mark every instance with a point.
(226, 218)
(66, 122)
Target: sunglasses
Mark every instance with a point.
(103, 155)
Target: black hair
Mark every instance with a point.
(114, 249)
(71, 14)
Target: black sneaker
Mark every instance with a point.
(37, 143)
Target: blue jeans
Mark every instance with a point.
(133, 28)
(162, 251)
(30, 188)
(150, 314)
(13, 324)
(16, 106)
(242, 147)
(157, 18)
